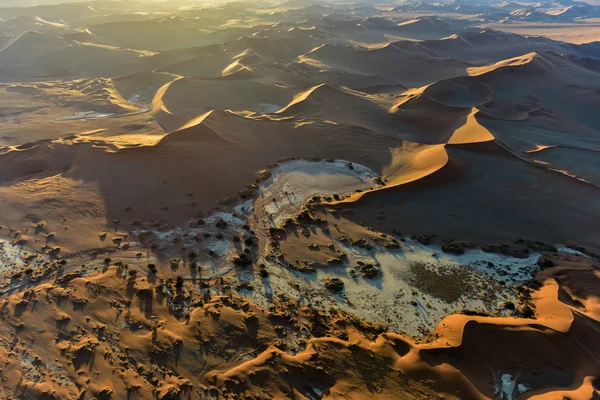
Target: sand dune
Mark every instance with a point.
(325, 102)
(188, 96)
(459, 92)
(386, 62)
(298, 200)
(471, 132)
(427, 28)
(486, 45)
(36, 56)
(413, 162)
(456, 210)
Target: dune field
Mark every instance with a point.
(299, 200)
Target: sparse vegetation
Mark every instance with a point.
(367, 270)
(475, 313)
(174, 263)
(334, 285)
(242, 260)
(454, 248)
(244, 286)
(446, 282)
(544, 262)
(527, 312)
(263, 271)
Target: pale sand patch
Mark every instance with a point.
(292, 183)
(393, 298)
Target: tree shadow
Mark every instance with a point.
(145, 301)
(20, 308)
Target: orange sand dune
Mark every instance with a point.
(127, 334)
(471, 132)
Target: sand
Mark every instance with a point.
(297, 200)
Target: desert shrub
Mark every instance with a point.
(244, 286)
(367, 270)
(539, 246)
(242, 260)
(453, 248)
(544, 263)
(475, 313)
(496, 248)
(527, 312)
(335, 285)
(426, 239)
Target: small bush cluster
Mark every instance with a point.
(453, 248)
(242, 260)
(334, 285)
(367, 270)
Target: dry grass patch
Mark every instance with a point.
(446, 282)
